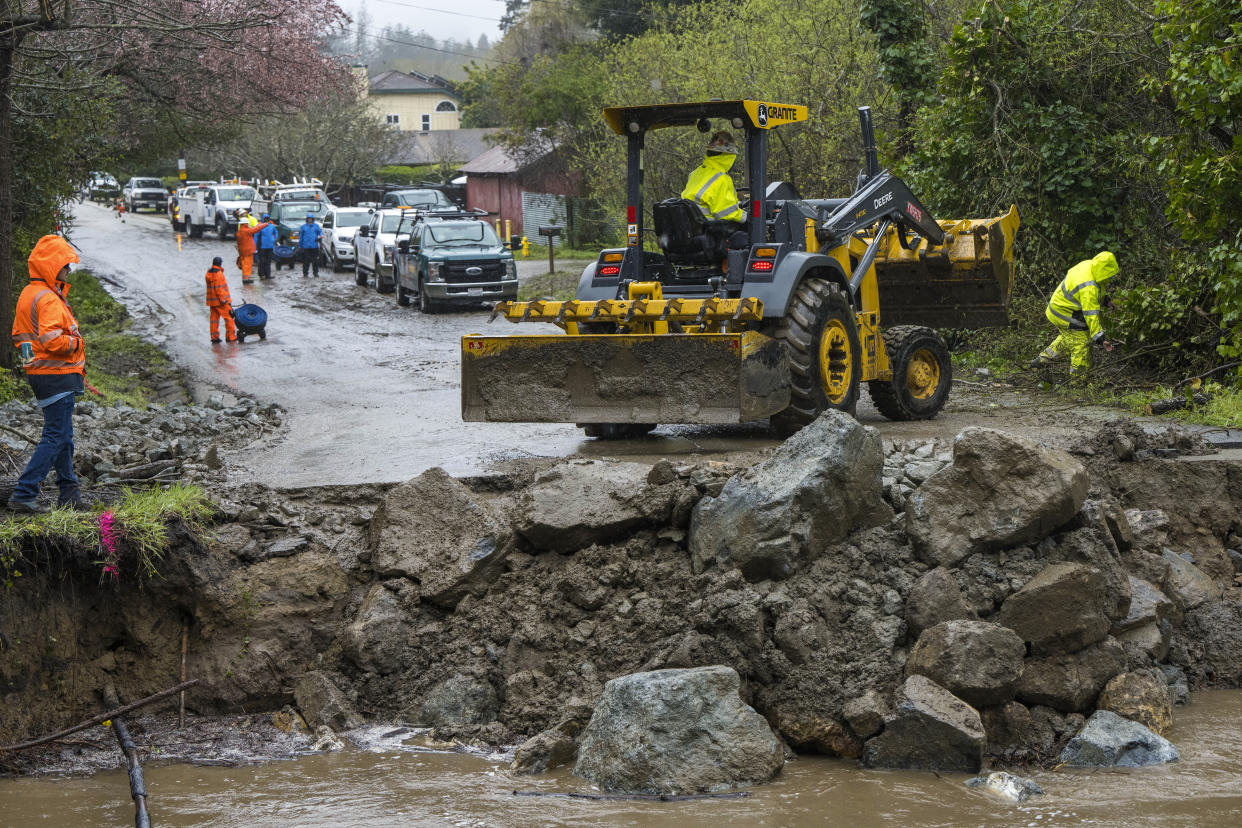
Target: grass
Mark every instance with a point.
(563, 284)
(140, 521)
(124, 368)
(540, 251)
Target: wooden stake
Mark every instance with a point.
(185, 643)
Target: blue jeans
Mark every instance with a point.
(55, 450)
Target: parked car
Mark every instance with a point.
(339, 227)
(376, 242)
(421, 198)
(102, 187)
(215, 205)
(453, 259)
(173, 208)
(140, 193)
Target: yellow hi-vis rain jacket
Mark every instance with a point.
(711, 188)
(1076, 302)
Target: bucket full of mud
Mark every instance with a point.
(251, 321)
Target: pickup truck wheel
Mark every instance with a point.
(222, 229)
(380, 285)
(403, 297)
(360, 275)
(425, 305)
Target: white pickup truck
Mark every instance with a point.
(375, 245)
(216, 206)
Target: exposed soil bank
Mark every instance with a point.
(496, 607)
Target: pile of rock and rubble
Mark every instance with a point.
(162, 442)
(685, 626)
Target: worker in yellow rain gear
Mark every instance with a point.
(1074, 310)
(709, 184)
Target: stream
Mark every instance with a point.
(389, 784)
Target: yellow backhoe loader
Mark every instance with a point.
(825, 294)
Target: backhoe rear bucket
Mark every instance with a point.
(623, 378)
(963, 283)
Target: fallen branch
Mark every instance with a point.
(102, 717)
(637, 797)
(145, 471)
(17, 433)
(137, 785)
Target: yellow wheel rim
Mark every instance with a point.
(923, 374)
(836, 363)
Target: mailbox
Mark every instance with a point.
(549, 230)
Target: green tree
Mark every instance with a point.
(1202, 159)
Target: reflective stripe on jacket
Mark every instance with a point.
(217, 289)
(43, 317)
(710, 186)
(245, 239)
(1079, 294)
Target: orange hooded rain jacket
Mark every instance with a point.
(43, 317)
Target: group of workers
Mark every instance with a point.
(254, 237)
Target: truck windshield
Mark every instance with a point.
(476, 232)
(394, 223)
(352, 219)
(235, 193)
(148, 183)
(420, 198)
(299, 195)
(299, 212)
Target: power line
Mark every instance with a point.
(432, 48)
(439, 11)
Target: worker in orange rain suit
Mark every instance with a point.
(246, 246)
(220, 302)
(54, 356)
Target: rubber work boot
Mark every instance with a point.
(215, 341)
(28, 507)
(77, 503)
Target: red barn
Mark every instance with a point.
(527, 193)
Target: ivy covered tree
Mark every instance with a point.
(1202, 159)
(906, 57)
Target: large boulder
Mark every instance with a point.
(1189, 586)
(677, 732)
(820, 485)
(379, 638)
(931, 729)
(582, 502)
(322, 702)
(935, 597)
(1060, 610)
(976, 661)
(1142, 697)
(1216, 629)
(432, 530)
(460, 700)
(1071, 683)
(1001, 491)
(1108, 740)
(1148, 605)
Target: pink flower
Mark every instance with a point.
(107, 539)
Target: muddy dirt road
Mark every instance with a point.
(371, 389)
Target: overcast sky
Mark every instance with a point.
(458, 19)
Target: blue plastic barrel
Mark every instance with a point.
(250, 316)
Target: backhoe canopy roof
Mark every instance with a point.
(751, 114)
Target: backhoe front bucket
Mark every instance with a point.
(963, 283)
(623, 378)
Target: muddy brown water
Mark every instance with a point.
(388, 784)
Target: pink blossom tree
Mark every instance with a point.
(204, 63)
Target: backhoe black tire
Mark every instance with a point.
(820, 333)
(616, 431)
(922, 374)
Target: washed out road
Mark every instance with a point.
(371, 390)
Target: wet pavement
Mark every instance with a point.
(371, 389)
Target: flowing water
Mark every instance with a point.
(387, 784)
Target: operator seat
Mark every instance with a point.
(686, 237)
